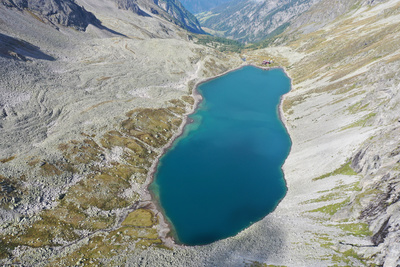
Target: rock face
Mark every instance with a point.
(347, 61)
(68, 13)
(323, 13)
(130, 5)
(250, 21)
(59, 12)
(181, 16)
(171, 10)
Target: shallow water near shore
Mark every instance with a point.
(224, 173)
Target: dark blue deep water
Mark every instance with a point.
(224, 173)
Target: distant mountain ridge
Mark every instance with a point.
(181, 15)
(70, 14)
(197, 6)
(250, 20)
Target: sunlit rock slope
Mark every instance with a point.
(343, 116)
(83, 116)
(251, 20)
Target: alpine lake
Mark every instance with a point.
(224, 173)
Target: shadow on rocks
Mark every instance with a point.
(261, 242)
(20, 50)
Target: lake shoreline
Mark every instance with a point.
(166, 229)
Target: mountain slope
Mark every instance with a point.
(84, 115)
(197, 6)
(249, 20)
(184, 18)
(343, 117)
(66, 13)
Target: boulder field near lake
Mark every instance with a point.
(88, 106)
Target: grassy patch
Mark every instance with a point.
(140, 217)
(349, 258)
(152, 126)
(5, 249)
(356, 229)
(48, 169)
(220, 43)
(361, 123)
(332, 208)
(345, 169)
(7, 159)
(105, 186)
(188, 99)
(357, 107)
(324, 198)
(288, 103)
(177, 103)
(323, 240)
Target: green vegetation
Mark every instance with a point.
(356, 229)
(220, 43)
(202, 17)
(360, 123)
(345, 169)
(324, 198)
(288, 103)
(140, 217)
(188, 99)
(104, 187)
(274, 35)
(7, 159)
(348, 258)
(332, 208)
(357, 107)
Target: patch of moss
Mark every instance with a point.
(361, 123)
(101, 190)
(140, 217)
(5, 160)
(357, 107)
(44, 233)
(345, 169)
(328, 197)
(81, 152)
(177, 103)
(152, 126)
(323, 240)
(145, 243)
(188, 99)
(356, 229)
(288, 103)
(349, 258)
(332, 208)
(48, 169)
(177, 110)
(104, 188)
(5, 249)
(33, 161)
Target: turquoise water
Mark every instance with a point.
(224, 173)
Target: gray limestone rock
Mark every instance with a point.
(59, 12)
